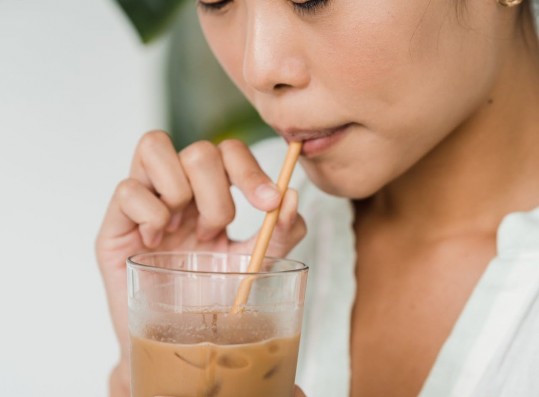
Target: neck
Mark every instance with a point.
(484, 169)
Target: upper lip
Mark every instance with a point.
(305, 134)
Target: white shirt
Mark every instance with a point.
(493, 349)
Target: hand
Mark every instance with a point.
(182, 201)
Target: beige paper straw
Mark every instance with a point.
(264, 237)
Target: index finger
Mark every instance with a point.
(245, 173)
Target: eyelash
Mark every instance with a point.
(213, 7)
(308, 7)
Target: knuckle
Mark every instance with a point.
(228, 216)
(127, 188)
(232, 145)
(220, 218)
(224, 218)
(160, 218)
(198, 153)
(153, 139)
(179, 198)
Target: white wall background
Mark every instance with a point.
(76, 92)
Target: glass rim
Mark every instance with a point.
(132, 262)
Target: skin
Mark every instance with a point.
(154, 209)
(441, 143)
(383, 65)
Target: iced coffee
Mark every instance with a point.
(186, 341)
(214, 355)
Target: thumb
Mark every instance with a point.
(289, 230)
(298, 392)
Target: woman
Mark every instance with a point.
(420, 120)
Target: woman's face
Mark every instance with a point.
(371, 86)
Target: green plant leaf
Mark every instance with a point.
(150, 17)
(203, 101)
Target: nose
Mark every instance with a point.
(273, 59)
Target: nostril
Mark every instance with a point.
(280, 87)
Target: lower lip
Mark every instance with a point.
(314, 147)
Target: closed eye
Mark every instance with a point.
(309, 6)
(303, 7)
(213, 6)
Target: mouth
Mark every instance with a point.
(315, 141)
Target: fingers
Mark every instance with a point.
(211, 170)
(164, 184)
(245, 173)
(196, 174)
(208, 179)
(202, 173)
(157, 166)
(134, 206)
(289, 230)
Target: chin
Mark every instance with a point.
(345, 184)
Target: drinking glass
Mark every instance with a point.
(187, 341)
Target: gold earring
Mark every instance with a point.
(509, 3)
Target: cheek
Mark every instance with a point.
(365, 49)
(375, 56)
(409, 68)
(410, 82)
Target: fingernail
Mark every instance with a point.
(267, 192)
